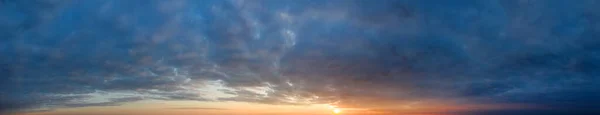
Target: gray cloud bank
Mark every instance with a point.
(359, 53)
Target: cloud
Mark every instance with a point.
(350, 53)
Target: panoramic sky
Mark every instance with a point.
(299, 57)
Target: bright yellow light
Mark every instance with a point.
(337, 111)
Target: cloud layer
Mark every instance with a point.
(503, 56)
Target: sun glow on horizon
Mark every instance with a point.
(334, 109)
(337, 111)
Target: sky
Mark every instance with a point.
(299, 57)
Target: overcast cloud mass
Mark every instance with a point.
(493, 56)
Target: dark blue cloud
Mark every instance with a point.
(538, 53)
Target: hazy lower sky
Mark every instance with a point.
(300, 57)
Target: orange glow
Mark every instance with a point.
(160, 107)
(337, 111)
